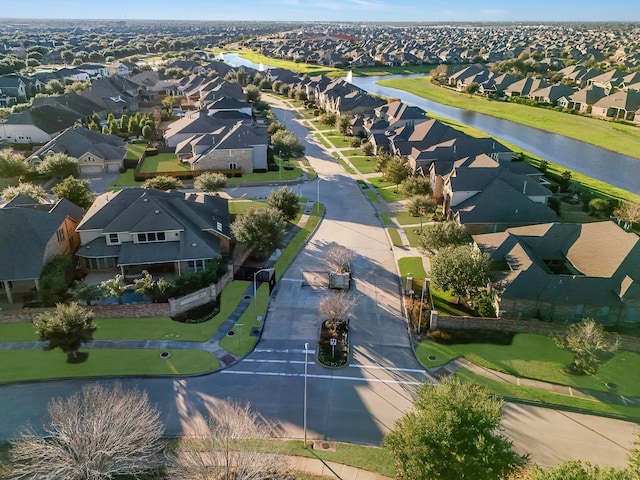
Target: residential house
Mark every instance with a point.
(525, 87)
(239, 148)
(13, 86)
(30, 236)
(37, 125)
(138, 229)
(229, 104)
(113, 94)
(122, 68)
(552, 93)
(565, 272)
(582, 100)
(621, 105)
(73, 101)
(199, 123)
(96, 152)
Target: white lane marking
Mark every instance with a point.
(391, 369)
(257, 360)
(285, 350)
(328, 377)
(290, 279)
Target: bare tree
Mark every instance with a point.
(339, 258)
(335, 307)
(230, 446)
(95, 434)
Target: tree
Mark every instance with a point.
(85, 292)
(339, 258)
(163, 182)
(335, 307)
(415, 185)
(329, 119)
(440, 235)
(577, 470)
(419, 206)
(396, 171)
(227, 447)
(34, 192)
(382, 159)
(67, 327)
(472, 88)
(74, 190)
(543, 166)
(367, 149)
(58, 165)
(589, 343)
(13, 164)
(158, 290)
(628, 213)
(253, 93)
(453, 432)
(286, 201)
(462, 270)
(344, 125)
(261, 229)
(147, 132)
(97, 433)
(286, 143)
(275, 127)
(115, 287)
(211, 181)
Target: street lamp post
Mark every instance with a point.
(255, 296)
(304, 410)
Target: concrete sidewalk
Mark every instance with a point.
(325, 468)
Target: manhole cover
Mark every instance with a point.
(431, 358)
(231, 333)
(247, 297)
(165, 355)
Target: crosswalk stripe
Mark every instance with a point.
(258, 360)
(284, 350)
(327, 377)
(390, 369)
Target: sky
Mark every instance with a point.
(329, 10)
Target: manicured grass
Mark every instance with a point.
(378, 182)
(322, 140)
(268, 176)
(346, 166)
(386, 218)
(372, 196)
(237, 207)
(338, 141)
(413, 265)
(135, 150)
(395, 237)
(363, 164)
(405, 219)
(25, 365)
(362, 184)
(163, 162)
(389, 194)
(301, 68)
(354, 152)
(443, 354)
(18, 332)
(242, 341)
(511, 391)
(617, 137)
(124, 180)
(445, 304)
(413, 235)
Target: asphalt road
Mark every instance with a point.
(358, 403)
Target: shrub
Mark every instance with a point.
(55, 280)
(453, 336)
(151, 151)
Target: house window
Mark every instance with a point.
(60, 235)
(113, 239)
(196, 265)
(103, 263)
(233, 166)
(219, 226)
(150, 237)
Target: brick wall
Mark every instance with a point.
(100, 311)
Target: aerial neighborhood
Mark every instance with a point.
(145, 177)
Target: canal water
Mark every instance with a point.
(614, 168)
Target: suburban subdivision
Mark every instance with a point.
(225, 253)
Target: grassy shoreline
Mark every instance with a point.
(616, 137)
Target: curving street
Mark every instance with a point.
(358, 403)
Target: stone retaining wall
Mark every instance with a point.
(100, 311)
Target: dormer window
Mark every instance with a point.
(149, 237)
(113, 239)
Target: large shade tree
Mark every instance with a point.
(452, 433)
(66, 327)
(396, 170)
(98, 433)
(589, 344)
(29, 190)
(211, 182)
(13, 164)
(75, 190)
(163, 182)
(442, 234)
(261, 229)
(286, 144)
(462, 270)
(58, 165)
(286, 201)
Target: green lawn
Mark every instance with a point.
(354, 152)
(269, 176)
(299, 67)
(389, 194)
(412, 265)
(413, 235)
(617, 137)
(405, 219)
(242, 341)
(163, 162)
(322, 140)
(377, 182)
(345, 165)
(395, 237)
(445, 304)
(135, 150)
(372, 196)
(25, 365)
(124, 180)
(237, 207)
(363, 164)
(338, 141)
(386, 218)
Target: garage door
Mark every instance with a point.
(90, 169)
